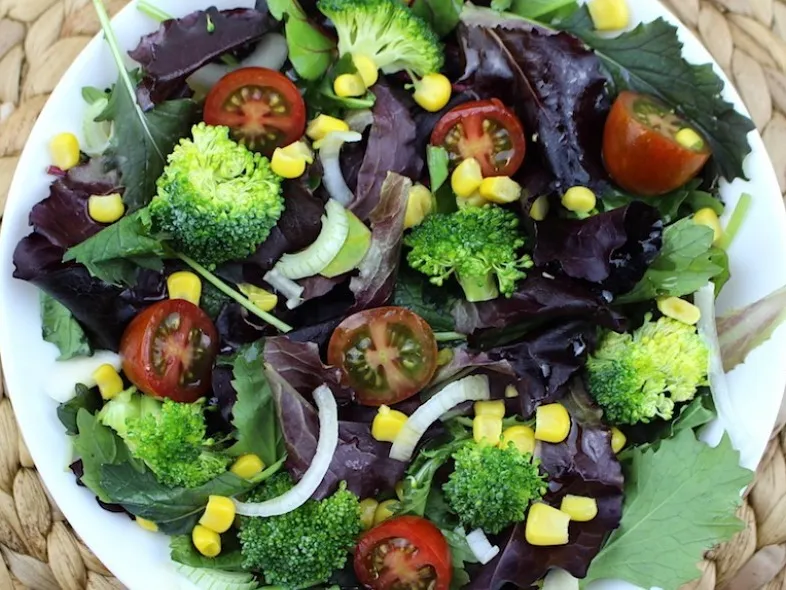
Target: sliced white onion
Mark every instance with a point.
(559, 579)
(309, 262)
(480, 546)
(332, 176)
(65, 375)
(302, 490)
(206, 77)
(96, 133)
(287, 287)
(472, 388)
(358, 121)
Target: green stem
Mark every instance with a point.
(149, 9)
(234, 295)
(449, 336)
(735, 222)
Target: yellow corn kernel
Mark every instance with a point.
(64, 149)
(184, 285)
(495, 408)
(387, 424)
(546, 526)
(680, 310)
(500, 189)
(552, 423)
(219, 514)
(385, 510)
(540, 208)
(287, 165)
(299, 149)
(609, 15)
(709, 218)
(444, 356)
(368, 508)
(108, 381)
(688, 138)
(105, 208)
(511, 391)
(522, 437)
(466, 178)
(247, 466)
(366, 68)
(487, 429)
(474, 200)
(207, 542)
(349, 85)
(420, 204)
(618, 439)
(579, 199)
(146, 524)
(321, 126)
(262, 298)
(579, 508)
(399, 488)
(432, 92)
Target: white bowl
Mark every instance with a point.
(140, 559)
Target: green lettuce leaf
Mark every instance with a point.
(679, 501)
(59, 327)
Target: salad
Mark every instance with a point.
(401, 296)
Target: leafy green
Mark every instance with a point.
(116, 253)
(429, 302)
(59, 327)
(442, 15)
(99, 447)
(91, 94)
(182, 550)
(310, 51)
(460, 554)
(679, 502)
(735, 221)
(438, 161)
(501, 5)
(256, 427)
(85, 398)
(686, 263)
(649, 59)
(541, 9)
(671, 206)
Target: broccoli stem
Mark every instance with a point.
(479, 287)
(149, 9)
(234, 295)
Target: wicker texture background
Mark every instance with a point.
(38, 41)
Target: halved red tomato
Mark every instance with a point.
(262, 108)
(403, 553)
(485, 130)
(387, 354)
(641, 150)
(168, 350)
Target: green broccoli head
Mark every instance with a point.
(639, 377)
(303, 547)
(168, 436)
(491, 487)
(480, 245)
(387, 32)
(216, 199)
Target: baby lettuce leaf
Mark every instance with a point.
(687, 261)
(254, 413)
(87, 399)
(183, 45)
(612, 249)
(649, 59)
(61, 329)
(442, 15)
(310, 50)
(679, 501)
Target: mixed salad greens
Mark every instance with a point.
(367, 293)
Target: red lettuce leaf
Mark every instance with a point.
(613, 249)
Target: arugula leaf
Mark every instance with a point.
(679, 502)
(174, 510)
(685, 264)
(59, 327)
(442, 15)
(431, 303)
(85, 398)
(256, 427)
(310, 51)
(115, 254)
(182, 550)
(649, 59)
(99, 447)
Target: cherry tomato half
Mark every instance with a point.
(387, 354)
(641, 150)
(168, 350)
(262, 108)
(403, 553)
(485, 130)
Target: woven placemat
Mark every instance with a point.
(38, 41)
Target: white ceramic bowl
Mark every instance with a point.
(139, 558)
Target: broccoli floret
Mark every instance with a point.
(387, 32)
(168, 436)
(303, 547)
(491, 487)
(479, 245)
(639, 377)
(216, 199)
